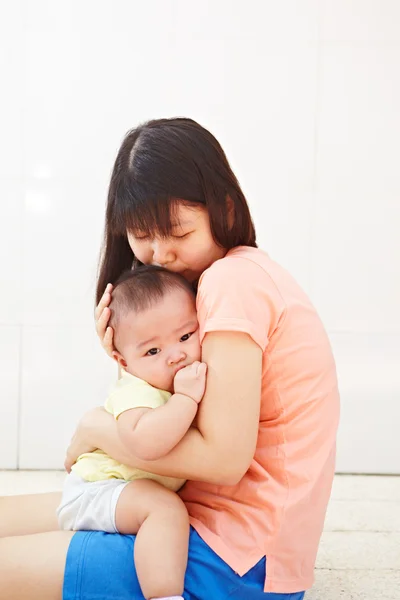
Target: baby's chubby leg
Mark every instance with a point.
(160, 519)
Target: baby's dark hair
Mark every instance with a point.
(140, 288)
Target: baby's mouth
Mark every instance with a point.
(179, 368)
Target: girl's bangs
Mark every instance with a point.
(146, 216)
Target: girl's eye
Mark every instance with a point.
(180, 237)
(141, 238)
(153, 351)
(185, 337)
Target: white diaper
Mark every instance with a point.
(89, 506)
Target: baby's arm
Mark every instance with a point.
(152, 432)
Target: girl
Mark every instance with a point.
(260, 460)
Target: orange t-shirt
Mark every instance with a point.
(277, 510)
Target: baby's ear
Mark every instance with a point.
(119, 358)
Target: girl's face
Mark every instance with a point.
(189, 250)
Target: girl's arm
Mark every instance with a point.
(220, 450)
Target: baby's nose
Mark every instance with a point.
(176, 356)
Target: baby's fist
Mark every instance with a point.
(191, 381)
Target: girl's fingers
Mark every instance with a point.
(102, 322)
(68, 464)
(108, 343)
(104, 301)
(102, 315)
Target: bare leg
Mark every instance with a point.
(160, 520)
(32, 566)
(33, 513)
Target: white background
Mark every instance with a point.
(304, 97)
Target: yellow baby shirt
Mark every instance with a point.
(129, 392)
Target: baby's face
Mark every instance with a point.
(156, 343)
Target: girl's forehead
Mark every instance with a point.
(185, 220)
(182, 211)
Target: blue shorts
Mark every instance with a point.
(100, 567)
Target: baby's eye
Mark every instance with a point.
(185, 337)
(153, 351)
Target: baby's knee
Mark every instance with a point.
(168, 506)
(169, 501)
(149, 497)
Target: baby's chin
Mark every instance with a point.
(168, 386)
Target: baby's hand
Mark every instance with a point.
(191, 381)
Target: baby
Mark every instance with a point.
(156, 338)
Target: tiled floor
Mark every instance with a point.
(359, 557)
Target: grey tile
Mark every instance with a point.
(366, 487)
(30, 482)
(355, 585)
(363, 515)
(359, 550)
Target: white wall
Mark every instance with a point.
(304, 97)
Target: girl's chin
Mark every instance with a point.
(191, 276)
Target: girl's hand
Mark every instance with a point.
(102, 317)
(98, 429)
(80, 443)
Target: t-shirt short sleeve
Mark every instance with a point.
(132, 392)
(236, 294)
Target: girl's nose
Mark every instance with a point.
(162, 253)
